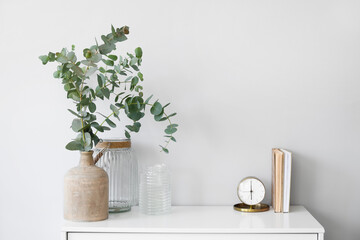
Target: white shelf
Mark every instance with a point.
(202, 219)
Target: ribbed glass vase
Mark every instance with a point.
(155, 190)
(122, 168)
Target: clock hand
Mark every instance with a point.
(251, 191)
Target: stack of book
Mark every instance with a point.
(281, 179)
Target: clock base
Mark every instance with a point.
(242, 207)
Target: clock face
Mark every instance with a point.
(251, 191)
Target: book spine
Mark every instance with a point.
(273, 178)
(279, 181)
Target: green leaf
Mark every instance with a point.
(173, 126)
(71, 56)
(111, 123)
(62, 59)
(67, 86)
(92, 93)
(117, 68)
(141, 76)
(118, 95)
(92, 107)
(88, 63)
(102, 70)
(90, 71)
(97, 127)
(106, 92)
(171, 115)
(74, 113)
(77, 70)
(148, 99)
(98, 93)
(100, 81)
(75, 96)
(106, 128)
(170, 130)
(135, 67)
(51, 57)
(127, 134)
(56, 74)
(111, 71)
(113, 30)
(73, 146)
(134, 81)
(156, 109)
(166, 105)
(87, 139)
(138, 52)
(135, 127)
(163, 119)
(164, 149)
(171, 137)
(126, 107)
(108, 62)
(44, 59)
(136, 116)
(113, 57)
(114, 109)
(158, 117)
(133, 61)
(76, 125)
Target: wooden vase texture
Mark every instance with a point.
(86, 191)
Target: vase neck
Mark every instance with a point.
(86, 159)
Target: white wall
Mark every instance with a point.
(244, 76)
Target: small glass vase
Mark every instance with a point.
(155, 190)
(118, 161)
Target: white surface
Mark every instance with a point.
(116, 236)
(226, 66)
(203, 219)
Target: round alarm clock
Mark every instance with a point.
(251, 191)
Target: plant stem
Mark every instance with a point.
(167, 142)
(81, 91)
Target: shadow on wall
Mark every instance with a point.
(311, 179)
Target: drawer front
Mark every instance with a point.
(166, 236)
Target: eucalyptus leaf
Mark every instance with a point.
(73, 146)
(164, 149)
(76, 125)
(92, 107)
(170, 130)
(108, 62)
(91, 71)
(138, 52)
(111, 123)
(156, 109)
(113, 57)
(114, 109)
(44, 59)
(87, 139)
(148, 99)
(74, 113)
(127, 134)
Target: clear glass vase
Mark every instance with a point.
(155, 190)
(122, 168)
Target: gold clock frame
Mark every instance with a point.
(242, 207)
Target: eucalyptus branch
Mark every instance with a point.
(74, 78)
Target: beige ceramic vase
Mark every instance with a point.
(86, 191)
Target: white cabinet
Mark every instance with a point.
(199, 223)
